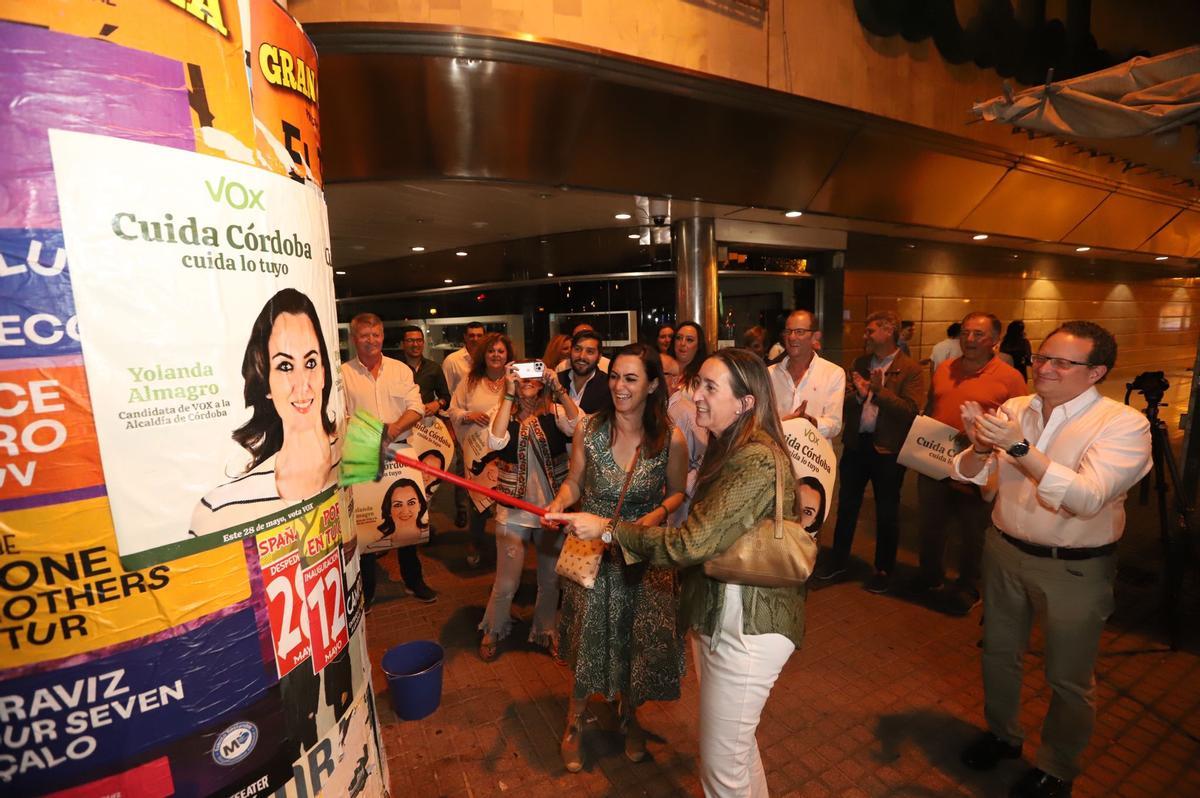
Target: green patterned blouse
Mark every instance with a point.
(741, 495)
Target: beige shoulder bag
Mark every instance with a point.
(772, 553)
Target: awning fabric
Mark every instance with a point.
(1139, 97)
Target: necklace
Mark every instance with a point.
(493, 385)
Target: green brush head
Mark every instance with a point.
(362, 451)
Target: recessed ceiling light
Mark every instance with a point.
(979, 237)
(635, 235)
(1161, 257)
(549, 274)
(339, 272)
(910, 246)
(1082, 249)
(461, 254)
(418, 249)
(448, 280)
(793, 214)
(433, 311)
(622, 216)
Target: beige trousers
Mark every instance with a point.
(735, 681)
(1071, 600)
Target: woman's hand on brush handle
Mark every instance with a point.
(584, 526)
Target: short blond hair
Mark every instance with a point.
(364, 320)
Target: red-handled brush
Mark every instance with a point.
(364, 454)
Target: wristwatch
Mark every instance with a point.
(606, 535)
(1019, 449)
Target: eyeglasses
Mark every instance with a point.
(799, 332)
(1058, 363)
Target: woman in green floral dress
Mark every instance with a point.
(621, 636)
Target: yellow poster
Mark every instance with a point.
(63, 590)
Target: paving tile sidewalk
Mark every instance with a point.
(878, 702)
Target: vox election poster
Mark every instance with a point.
(209, 345)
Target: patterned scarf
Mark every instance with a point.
(513, 480)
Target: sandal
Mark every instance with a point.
(552, 648)
(489, 648)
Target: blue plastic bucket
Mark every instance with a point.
(414, 674)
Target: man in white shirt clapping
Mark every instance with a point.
(1064, 459)
(805, 384)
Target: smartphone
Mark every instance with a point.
(529, 369)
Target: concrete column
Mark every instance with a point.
(694, 253)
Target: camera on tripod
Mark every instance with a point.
(1150, 384)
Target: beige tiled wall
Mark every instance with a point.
(1157, 322)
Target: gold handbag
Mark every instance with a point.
(579, 560)
(772, 553)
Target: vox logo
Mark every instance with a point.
(234, 194)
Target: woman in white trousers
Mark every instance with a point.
(744, 635)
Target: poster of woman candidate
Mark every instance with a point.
(815, 466)
(215, 398)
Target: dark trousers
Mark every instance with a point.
(410, 571)
(478, 531)
(950, 509)
(858, 467)
(462, 501)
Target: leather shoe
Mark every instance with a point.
(1037, 783)
(424, 593)
(829, 571)
(987, 750)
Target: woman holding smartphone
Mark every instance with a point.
(531, 438)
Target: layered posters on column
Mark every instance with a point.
(180, 610)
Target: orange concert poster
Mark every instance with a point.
(284, 91)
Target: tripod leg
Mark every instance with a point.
(1179, 551)
(1171, 579)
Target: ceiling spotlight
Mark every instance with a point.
(418, 249)
(461, 253)
(635, 235)
(1161, 257)
(979, 237)
(793, 214)
(1083, 249)
(622, 217)
(433, 311)
(339, 272)
(549, 274)
(447, 280)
